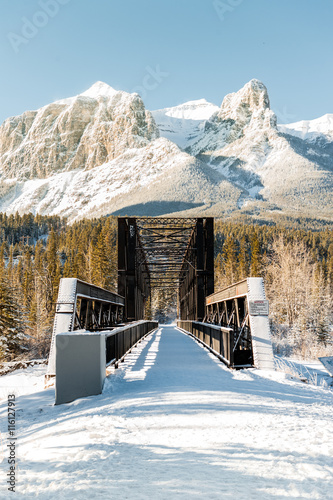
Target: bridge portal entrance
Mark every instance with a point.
(166, 253)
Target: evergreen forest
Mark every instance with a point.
(36, 251)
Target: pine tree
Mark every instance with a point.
(255, 256)
(12, 325)
(53, 270)
(242, 260)
(229, 257)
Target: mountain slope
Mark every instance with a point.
(159, 173)
(79, 132)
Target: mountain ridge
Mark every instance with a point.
(86, 130)
(103, 152)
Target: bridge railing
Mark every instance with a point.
(243, 306)
(83, 306)
(219, 339)
(121, 340)
(83, 356)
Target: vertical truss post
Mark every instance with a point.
(131, 297)
(126, 265)
(132, 276)
(122, 251)
(199, 285)
(209, 256)
(204, 242)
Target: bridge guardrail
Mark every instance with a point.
(244, 307)
(218, 339)
(82, 358)
(120, 340)
(83, 306)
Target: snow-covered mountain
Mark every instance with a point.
(181, 124)
(157, 179)
(274, 170)
(311, 130)
(84, 131)
(100, 152)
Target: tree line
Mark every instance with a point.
(297, 266)
(36, 251)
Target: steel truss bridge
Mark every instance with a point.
(166, 253)
(95, 328)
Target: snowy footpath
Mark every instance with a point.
(172, 423)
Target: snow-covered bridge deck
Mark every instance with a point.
(174, 423)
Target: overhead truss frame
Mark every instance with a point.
(166, 253)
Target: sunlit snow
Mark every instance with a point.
(174, 423)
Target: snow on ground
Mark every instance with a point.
(312, 370)
(174, 423)
(24, 381)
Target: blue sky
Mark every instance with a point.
(170, 50)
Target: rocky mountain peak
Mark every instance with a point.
(100, 89)
(79, 132)
(246, 112)
(250, 100)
